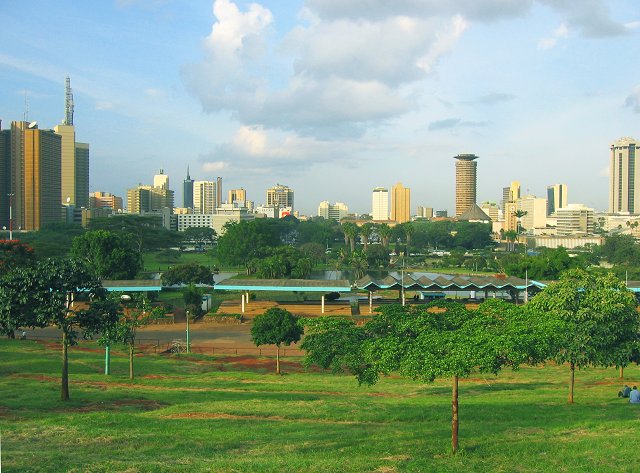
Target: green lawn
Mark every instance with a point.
(198, 413)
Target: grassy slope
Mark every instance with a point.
(209, 414)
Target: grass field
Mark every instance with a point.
(231, 414)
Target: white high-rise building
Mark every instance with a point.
(380, 204)
(536, 209)
(205, 197)
(624, 177)
(575, 219)
(161, 180)
(335, 211)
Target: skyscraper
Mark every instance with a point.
(74, 158)
(465, 182)
(400, 203)
(236, 195)
(187, 191)
(556, 197)
(161, 180)
(39, 193)
(511, 193)
(335, 211)
(205, 197)
(280, 196)
(380, 204)
(624, 177)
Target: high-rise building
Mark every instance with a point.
(237, 195)
(380, 204)
(105, 200)
(425, 212)
(39, 192)
(556, 197)
(575, 219)
(139, 199)
(5, 176)
(511, 193)
(280, 196)
(624, 177)
(466, 182)
(161, 180)
(205, 196)
(74, 158)
(218, 191)
(536, 212)
(491, 209)
(400, 203)
(335, 211)
(187, 191)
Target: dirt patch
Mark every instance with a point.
(221, 415)
(39, 377)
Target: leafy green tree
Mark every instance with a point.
(112, 256)
(147, 232)
(621, 250)
(243, 242)
(597, 316)
(15, 254)
(16, 311)
(188, 273)
(136, 313)
(358, 264)
(200, 235)
(276, 327)
(57, 289)
(53, 240)
(425, 343)
(314, 251)
(192, 296)
(377, 256)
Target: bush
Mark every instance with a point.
(332, 296)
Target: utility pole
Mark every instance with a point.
(188, 344)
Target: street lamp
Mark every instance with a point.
(10, 216)
(188, 344)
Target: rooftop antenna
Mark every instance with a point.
(68, 103)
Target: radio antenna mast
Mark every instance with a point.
(68, 103)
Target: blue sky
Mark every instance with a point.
(333, 97)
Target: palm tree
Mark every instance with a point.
(384, 232)
(519, 214)
(365, 232)
(350, 231)
(408, 231)
(359, 264)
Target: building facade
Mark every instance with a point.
(466, 182)
(556, 197)
(237, 195)
(380, 204)
(187, 191)
(335, 211)
(105, 200)
(575, 219)
(280, 196)
(400, 203)
(424, 212)
(624, 177)
(205, 197)
(536, 212)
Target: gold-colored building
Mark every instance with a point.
(39, 191)
(237, 195)
(466, 182)
(400, 203)
(105, 200)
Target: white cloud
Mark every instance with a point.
(214, 166)
(561, 32)
(633, 99)
(151, 92)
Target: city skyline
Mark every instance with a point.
(445, 83)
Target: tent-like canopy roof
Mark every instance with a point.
(284, 285)
(445, 282)
(132, 285)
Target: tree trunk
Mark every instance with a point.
(64, 386)
(11, 335)
(277, 359)
(622, 372)
(454, 415)
(571, 382)
(131, 347)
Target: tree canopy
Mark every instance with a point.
(187, 273)
(428, 342)
(111, 255)
(276, 327)
(597, 321)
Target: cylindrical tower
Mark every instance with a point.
(465, 182)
